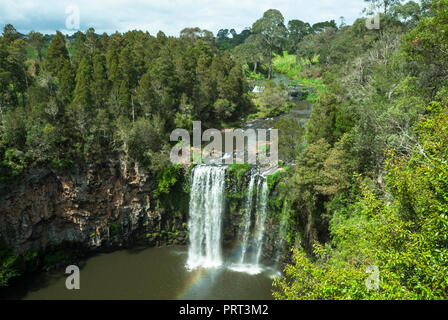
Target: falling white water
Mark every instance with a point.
(262, 202)
(247, 216)
(206, 210)
(253, 266)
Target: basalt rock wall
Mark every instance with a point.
(97, 205)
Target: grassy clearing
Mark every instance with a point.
(288, 65)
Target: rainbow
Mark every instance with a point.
(197, 278)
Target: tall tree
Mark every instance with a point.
(38, 41)
(82, 95)
(322, 26)
(297, 29)
(146, 95)
(91, 40)
(10, 34)
(273, 33)
(386, 5)
(252, 51)
(57, 54)
(124, 101)
(100, 81)
(223, 34)
(17, 56)
(66, 83)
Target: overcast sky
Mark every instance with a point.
(170, 16)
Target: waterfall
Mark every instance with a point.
(206, 210)
(282, 232)
(250, 262)
(207, 205)
(262, 202)
(247, 216)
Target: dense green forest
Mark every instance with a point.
(79, 100)
(373, 170)
(369, 184)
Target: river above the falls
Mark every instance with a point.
(146, 274)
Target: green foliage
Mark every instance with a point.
(57, 54)
(144, 135)
(253, 52)
(406, 239)
(55, 257)
(14, 161)
(167, 178)
(8, 267)
(273, 179)
(237, 182)
(225, 42)
(349, 203)
(426, 46)
(291, 134)
(272, 101)
(307, 281)
(239, 170)
(271, 31)
(297, 30)
(288, 65)
(115, 229)
(223, 108)
(106, 94)
(384, 209)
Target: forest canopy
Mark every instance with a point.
(366, 184)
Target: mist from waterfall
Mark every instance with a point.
(207, 203)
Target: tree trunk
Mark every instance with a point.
(255, 66)
(270, 65)
(26, 77)
(133, 110)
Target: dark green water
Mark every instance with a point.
(147, 274)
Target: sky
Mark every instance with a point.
(170, 16)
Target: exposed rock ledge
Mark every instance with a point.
(97, 205)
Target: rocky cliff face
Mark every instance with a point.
(107, 204)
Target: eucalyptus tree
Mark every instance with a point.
(271, 28)
(252, 51)
(386, 5)
(297, 30)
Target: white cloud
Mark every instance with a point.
(169, 16)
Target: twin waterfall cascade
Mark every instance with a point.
(207, 203)
(207, 207)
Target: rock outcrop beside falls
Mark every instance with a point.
(111, 205)
(99, 205)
